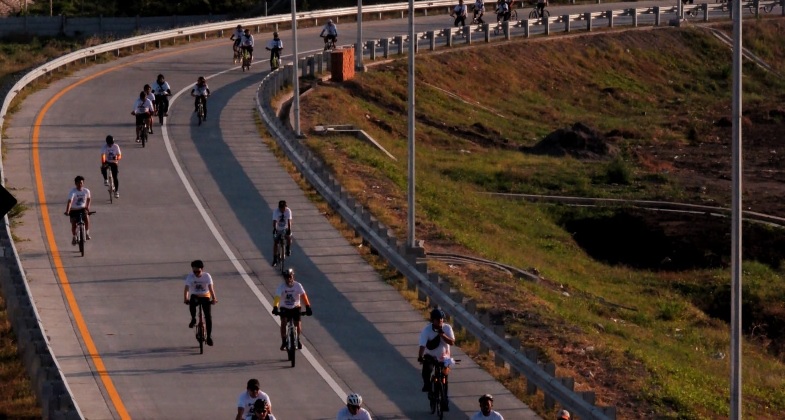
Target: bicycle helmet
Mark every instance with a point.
(437, 313)
(564, 415)
(288, 274)
(109, 140)
(329, 21)
(354, 399)
(486, 397)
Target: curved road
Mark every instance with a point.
(115, 317)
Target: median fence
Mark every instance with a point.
(50, 385)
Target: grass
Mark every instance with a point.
(666, 356)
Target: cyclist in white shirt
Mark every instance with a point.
(236, 35)
(329, 31)
(199, 284)
(459, 12)
(151, 96)
(143, 108)
(486, 409)
(292, 293)
(353, 409)
(435, 341)
(110, 157)
(479, 10)
(282, 221)
(246, 400)
(246, 43)
(200, 92)
(162, 92)
(502, 11)
(275, 47)
(78, 202)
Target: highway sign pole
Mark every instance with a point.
(359, 49)
(412, 42)
(735, 341)
(295, 76)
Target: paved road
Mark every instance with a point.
(115, 317)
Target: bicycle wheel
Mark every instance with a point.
(200, 337)
(143, 135)
(546, 13)
(438, 399)
(81, 238)
(290, 349)
(110, 179)
(200, 113)
(514, 15)
(533, 14)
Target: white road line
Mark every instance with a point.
(251, 285)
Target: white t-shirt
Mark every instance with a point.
(112, 152)
(246, 40)
(151, 97)
(344, 414)
(479, 5)
(246, 401)
(442, 351)
(199, 286)
(161, 89)
(290, 295)
(330, 29)
(281, 219)
(238, 33)
(78, 198)
(142, 106)
(494, 415)
(460, 10)
(275, 43)
(200, 90)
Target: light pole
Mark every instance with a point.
(412, 41)
(736, 255)
(359, 49)
(295, 76)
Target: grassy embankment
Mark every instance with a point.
(657, 353)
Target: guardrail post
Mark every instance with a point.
(487, 31)
(485, 320)
(399, 41)
(301, 67)
(566, 20)
(587, 17)
(498, 360)
(634, 14)
(386, 47)
(526, 28)
(550, 369)
(610, 412)
(448, 35)
(782, 11)
(546, 22)
(657, 16)
(609, 14)
(467, 32)
(515, 343)
(431, 40)
(320, 63)
(371, 45)
(530, 354)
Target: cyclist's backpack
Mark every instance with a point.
(433, 343)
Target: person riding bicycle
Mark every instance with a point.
(353, 409)
(199, 284)
(162, 92)
(486, 409)
(329, 32)
(282, 222)
(236, 35)
(292, 293)
(479, 10)
(143, 109)
(246, 44)
(502, 11)
(275, 46)
(541, 7)
(246, 402)
(151, 96)
(110, 157)
(200, 92)
(261, 410)
(459, 12)
(78, 202)
(435, 341)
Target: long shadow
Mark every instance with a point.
(362, 341)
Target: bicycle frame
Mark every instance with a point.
(200, 329)
(280, 240)
(200, 109)
(438, 394)
(110, 180)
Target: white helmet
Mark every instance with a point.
(329, 21)
(354, 399)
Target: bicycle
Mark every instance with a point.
(330, 44)
(81, 233)
(238, 56)
(246, 65)
(162, 105)
(437, 396)
(280, 239)
(110, 180)
(200, 109)
(141, 131)
(275, 60)
(513, 11)
(200, 330)
(536, 15)
(292, 339)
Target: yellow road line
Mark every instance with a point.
(50, 238)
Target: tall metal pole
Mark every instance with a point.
(412, 42)
(359, 48)
(735, 342)
(296, 75)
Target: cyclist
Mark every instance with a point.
(541, 7)
(236, 35)
(282, 221)
(148, 90)
(486, 409)
(502, 11)
(261, 410)
(143, 108)
(353, 409)
(162, 92)
(275, 46)
(479, 10)
(199, 284)
(246, 401)
(435, 341)
(110, 157)
(459, 12)
(563, 415)
(78, 202)
(246, 44)
(200, 92)
(329, 32)
(292, 292)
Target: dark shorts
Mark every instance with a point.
(74, 214)
(142, 118)
(293, 313)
